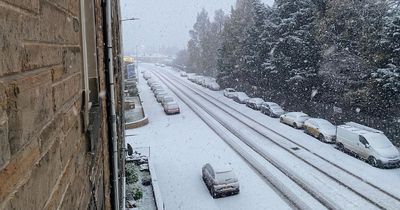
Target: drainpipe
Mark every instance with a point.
(112, 102)
(123, 152)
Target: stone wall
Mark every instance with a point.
(45, 159)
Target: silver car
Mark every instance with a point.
(255, 103)
(272, 109)
(295, 119)
(220, 180)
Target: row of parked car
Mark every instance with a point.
(364, 142)
(168, 103)
(208, 82)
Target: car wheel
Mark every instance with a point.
(295, 125)
(213, 193)
(281, 119)
(340, 147)
(321, 137)
(374, 162)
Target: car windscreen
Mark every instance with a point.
(226, 176)
(168, 99)
(377, 140)
(303, 117)
(172, 106)
(326, 125)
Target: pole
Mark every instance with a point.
(114, 137)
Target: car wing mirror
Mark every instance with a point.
(367, 146)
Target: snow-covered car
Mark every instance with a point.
(367, 143)
(198, 79)
(271, 109)
(155, 86)
(255, 103)
(191, 76)
(220, 179)
(167, 99)
(241, 97)
(151, 81)
(295, 119)
(214, 86)
(321, 129)
(183, 74)
(160, 97)
(171, 108)
(147, 75)
(229, 92)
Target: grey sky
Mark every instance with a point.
(165, 22)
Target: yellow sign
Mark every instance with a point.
(129, 59)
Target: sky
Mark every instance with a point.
(164, 23)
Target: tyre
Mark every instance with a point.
(340, 146)
(321, 137)
(213, 193)
(295, 125)
(281, 119)
(374, 162)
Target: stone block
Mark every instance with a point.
(66, 90)
(30, 107)
(34, 193)
(30, 5)
(10, 38)
(19, 167)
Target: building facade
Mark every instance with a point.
(55, 120)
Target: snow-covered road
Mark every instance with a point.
(180, 145)
(320, 169)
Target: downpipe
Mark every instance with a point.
(114, 137)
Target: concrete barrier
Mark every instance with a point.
(137, 124)
(156, 189)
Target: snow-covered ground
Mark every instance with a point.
(180, 145)
(182, 140)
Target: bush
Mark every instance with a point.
(131, 176)
(138, 194)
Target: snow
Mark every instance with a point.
(361, 169)
(180, 146)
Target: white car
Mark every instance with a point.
(367, 143)
(167, 99)
(320, 129)
(255, 103)
(241, 97)
(183, 74)
(295, 119)
(229, 92)
(214, 86)
(220, 179)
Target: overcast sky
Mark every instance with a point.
(164, 22)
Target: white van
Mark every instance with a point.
(368, 143)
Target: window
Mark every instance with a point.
(363, 140)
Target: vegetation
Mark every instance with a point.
(307, 55)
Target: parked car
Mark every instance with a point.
(171, 108)
(220, 180)
(271, 109)
(156, 86)
(183, 74)
(241, 97)
(197, 79)
(367, 143)
(158, 91)
(167, 99)
(147, 75)
(191, 76)
(255, 103)
(229, 92)
(160, 96)
(295, 119)
(213, 86)
(320, 129)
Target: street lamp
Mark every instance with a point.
(128, 19)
